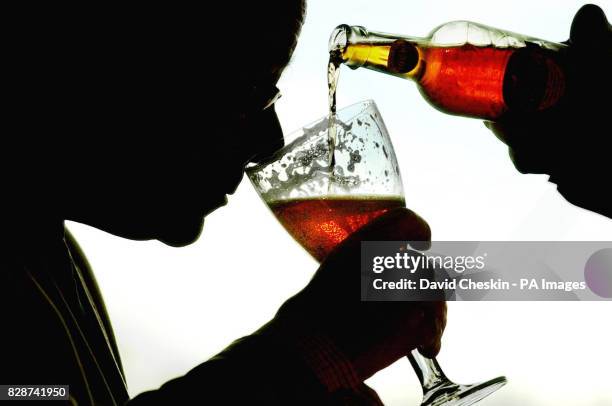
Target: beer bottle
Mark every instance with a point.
(463, 68)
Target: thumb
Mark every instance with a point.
(399, 224)
(395, 225)
(590, 28)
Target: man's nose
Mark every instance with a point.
(267, 136)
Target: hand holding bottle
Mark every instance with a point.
(571, 141)
(462, 68)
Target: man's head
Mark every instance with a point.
(139, 122)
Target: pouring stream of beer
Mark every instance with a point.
(333, 72)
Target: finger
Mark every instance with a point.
(435, 323)
(514, 128)
(529, 147)
(498, 129)
(399, 224)
(519, 162)
(590, 27)
(432, 349)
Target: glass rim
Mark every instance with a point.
(255, 166)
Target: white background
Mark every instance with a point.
(174, 308)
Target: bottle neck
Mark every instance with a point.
(392, 54)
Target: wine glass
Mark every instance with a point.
(321, 201)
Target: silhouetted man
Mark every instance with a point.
(139, 121)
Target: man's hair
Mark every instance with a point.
(259, 31)
(84, 72)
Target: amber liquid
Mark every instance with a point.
(466, 80)
(473, 81)
(320, 224)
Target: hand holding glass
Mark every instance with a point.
(321, 201)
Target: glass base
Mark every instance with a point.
(450, 394)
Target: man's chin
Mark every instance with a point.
(182, 235)
(186, 230)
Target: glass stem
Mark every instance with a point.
(428, 370)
